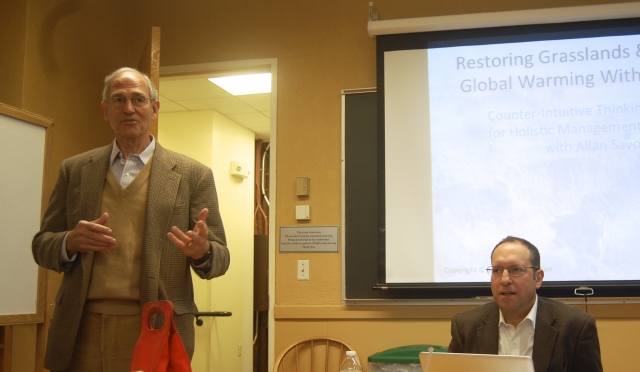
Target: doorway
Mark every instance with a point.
(218, 129)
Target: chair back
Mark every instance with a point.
(313, 354)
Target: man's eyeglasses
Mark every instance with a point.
(120, 101)
(514, 270)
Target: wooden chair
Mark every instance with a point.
(321, 353)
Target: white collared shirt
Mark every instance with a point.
(127, 169)
(518, 341)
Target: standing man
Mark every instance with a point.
(125, 224)
(558, 337)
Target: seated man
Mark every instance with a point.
(558, 337)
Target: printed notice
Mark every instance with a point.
(309, 239)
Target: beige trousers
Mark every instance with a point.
(105, 342)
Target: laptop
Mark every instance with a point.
(457, 362)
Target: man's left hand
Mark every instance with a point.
(194, 243)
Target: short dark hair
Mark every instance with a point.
(534, 254)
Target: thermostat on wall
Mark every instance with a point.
(239, 169)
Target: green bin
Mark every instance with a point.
(400, 359)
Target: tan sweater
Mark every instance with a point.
(114, 287)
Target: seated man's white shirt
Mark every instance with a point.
(518, 341)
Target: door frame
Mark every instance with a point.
(272, 65)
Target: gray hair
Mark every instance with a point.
(153, 93)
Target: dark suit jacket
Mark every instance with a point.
(565, 340)
(179, 187)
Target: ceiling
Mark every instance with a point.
(195, 93)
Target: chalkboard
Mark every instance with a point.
(360, 192)
(24, 146)
(361, 216)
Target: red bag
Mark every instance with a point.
(159, 350)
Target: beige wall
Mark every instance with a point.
(23, 358)
(322, 47)
(13, 20)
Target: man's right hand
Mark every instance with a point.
(90, 236)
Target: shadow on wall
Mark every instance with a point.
(47, 33)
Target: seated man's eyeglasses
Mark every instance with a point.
(515, 270)
(136, 100)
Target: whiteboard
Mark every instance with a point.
(23, 149)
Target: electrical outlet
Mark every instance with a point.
(239, 349)
(303, 269)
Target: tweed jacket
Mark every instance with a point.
(565, 339)
(179, 188)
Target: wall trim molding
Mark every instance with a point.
(506, 18)
(426, 312)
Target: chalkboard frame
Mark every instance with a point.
(37, 313)
(362, 278)
(360, 214)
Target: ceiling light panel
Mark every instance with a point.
(244, 84)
